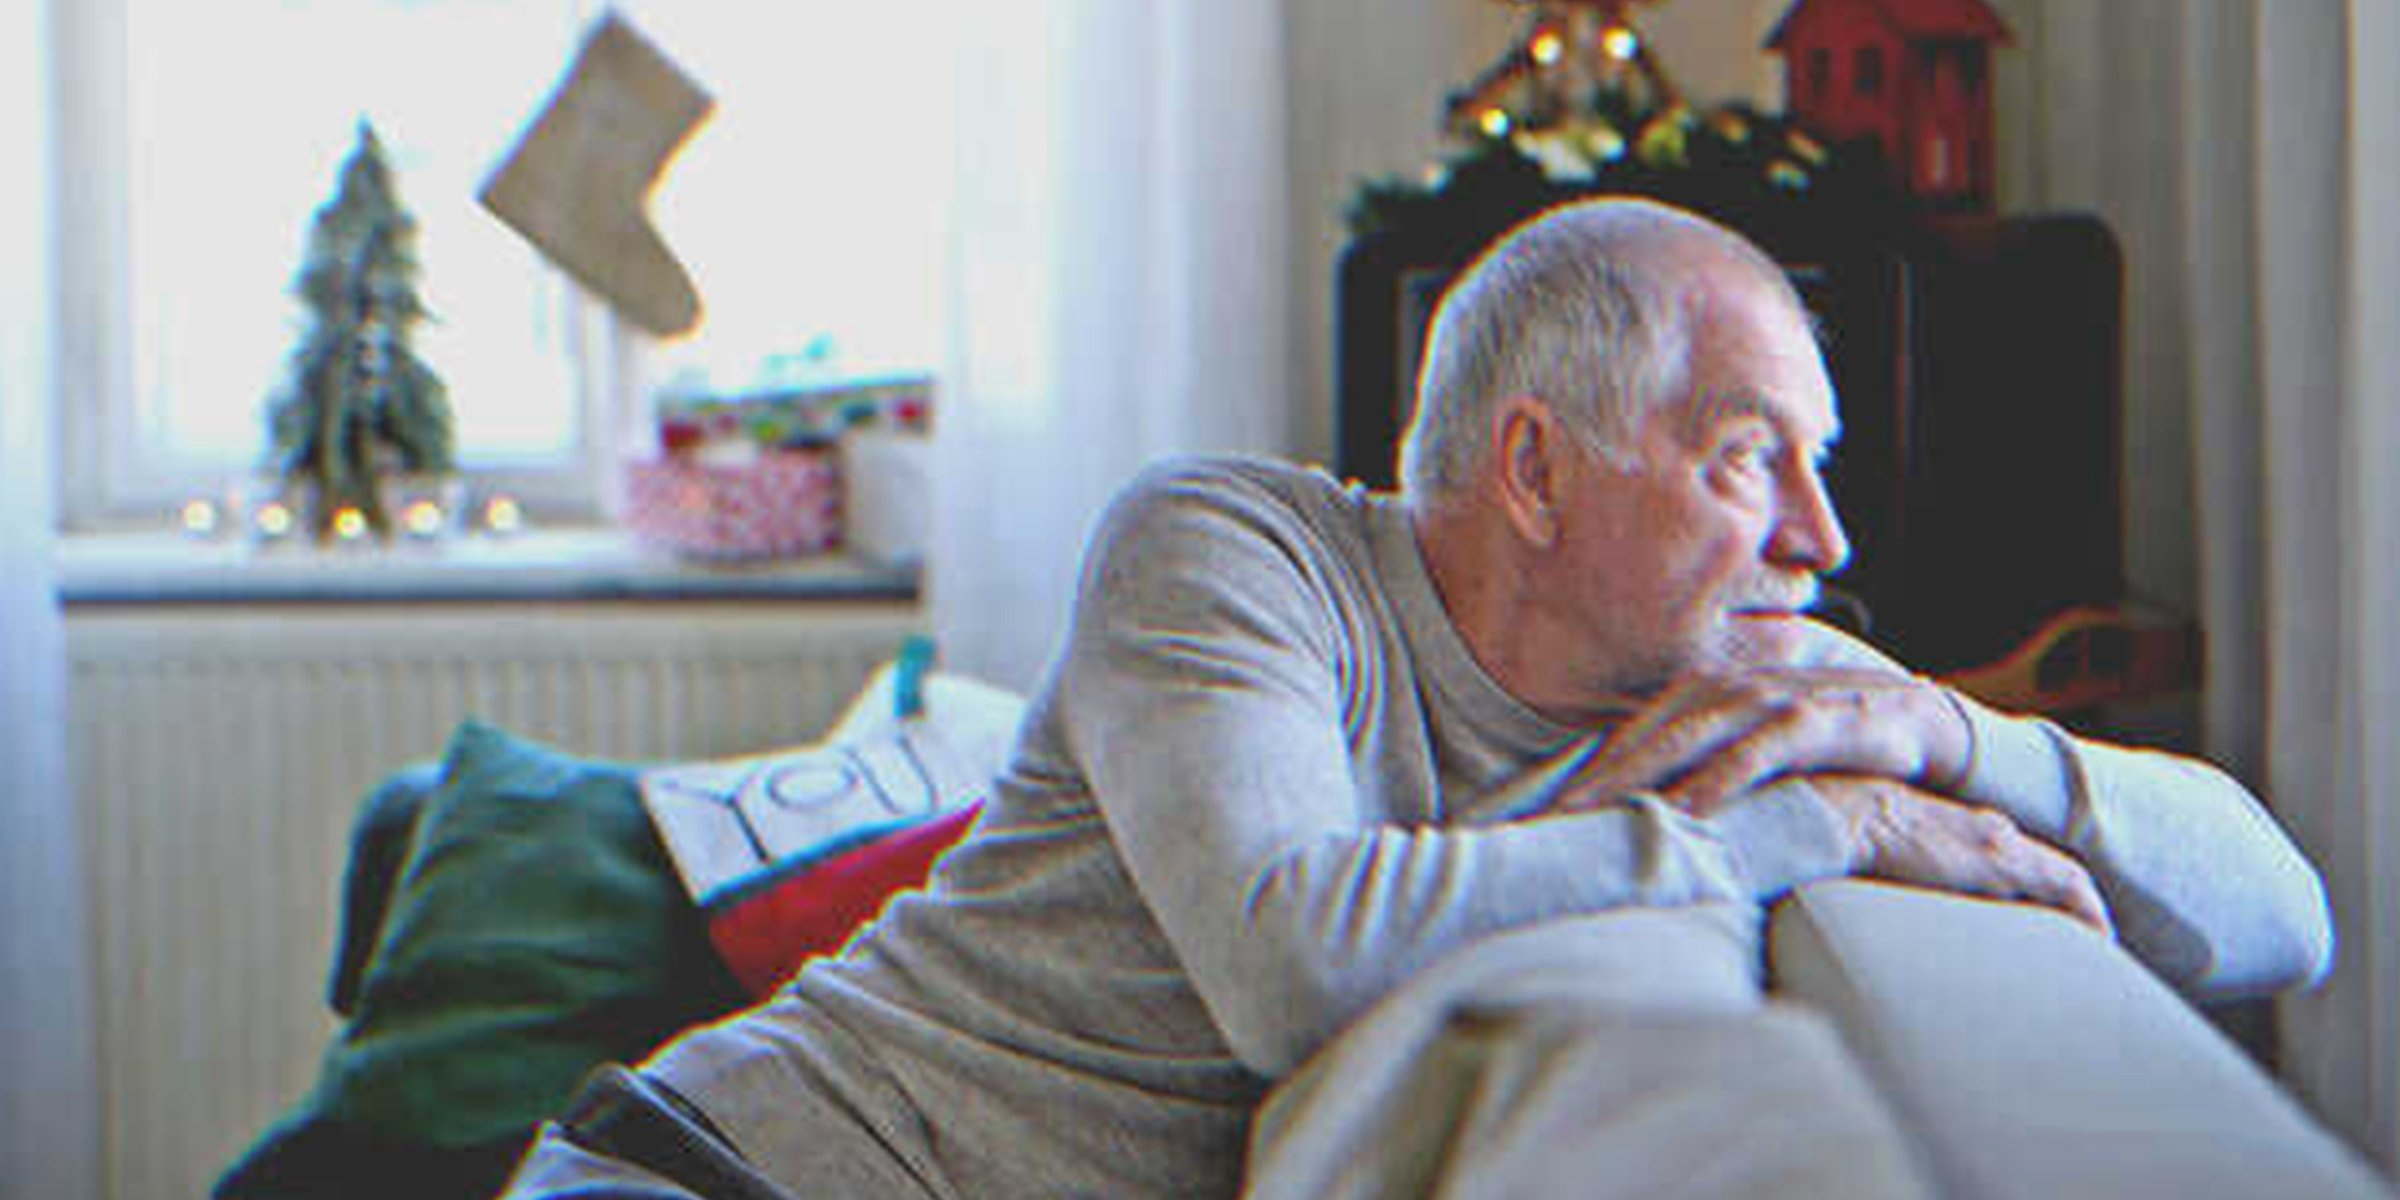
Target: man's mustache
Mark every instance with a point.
(1777, 593)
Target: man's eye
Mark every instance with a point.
(1750, 456)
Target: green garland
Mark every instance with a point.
(1754, 171)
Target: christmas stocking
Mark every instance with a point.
(576, 183)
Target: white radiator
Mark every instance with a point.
(220, 754)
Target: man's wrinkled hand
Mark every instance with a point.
(1908, 835)
(1710, 737)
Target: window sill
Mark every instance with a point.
(548, 564)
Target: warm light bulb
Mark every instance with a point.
(1620, 43)
(274, 519)
(422, 518)
(502, 515)
(1495, 122)
(1604, 144)
(200, 518)
(349, 524)
(1547, 46)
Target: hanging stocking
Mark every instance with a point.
(576, 184)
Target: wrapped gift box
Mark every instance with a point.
(778, 504)
(887, 476)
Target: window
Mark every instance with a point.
(810, 211)
(1866, 70)
(1938, 167)
(1820, 71)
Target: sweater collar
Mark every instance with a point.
(1445, 667)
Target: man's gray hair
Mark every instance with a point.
(1586, 307)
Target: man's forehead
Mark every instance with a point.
(1809, 420)
(1755, 355)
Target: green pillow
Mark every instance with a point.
(536, 930)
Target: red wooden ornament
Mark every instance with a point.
(1913, 76)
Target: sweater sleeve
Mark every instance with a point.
(2204, 886)
(1204, 699)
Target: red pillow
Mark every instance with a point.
(788, 853)
(768, 927)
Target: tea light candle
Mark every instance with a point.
(501, 515)
(272, 520)
(422, 519)
(201, 518)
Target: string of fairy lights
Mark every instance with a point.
(1580, 89)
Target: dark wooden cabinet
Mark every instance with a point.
(1978, 365)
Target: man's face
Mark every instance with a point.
(1702, 544)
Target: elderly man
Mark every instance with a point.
(1303, 742)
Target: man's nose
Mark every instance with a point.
(1809, 536)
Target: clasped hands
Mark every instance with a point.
(1886, 752)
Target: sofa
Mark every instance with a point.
(515, 916)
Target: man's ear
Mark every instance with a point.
(1526, 440)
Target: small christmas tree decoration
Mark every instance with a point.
(359, 404)
(1571, 53)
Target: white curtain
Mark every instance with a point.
(2327, 129)
(2248, 154)
(49, 1098)
(1120, 277)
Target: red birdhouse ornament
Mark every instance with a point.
(1912, 76)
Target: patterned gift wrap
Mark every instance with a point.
(784, 504)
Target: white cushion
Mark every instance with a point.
(1627, 1054)
(2032, 1057)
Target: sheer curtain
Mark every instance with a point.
(49, 1097)
(2248, 153)
(2327, 128)
(1119, 276)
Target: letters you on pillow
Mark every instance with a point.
(788, 854)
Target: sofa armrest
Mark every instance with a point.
(2031, 1057)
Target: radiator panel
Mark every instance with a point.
(220, 755)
